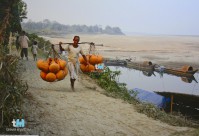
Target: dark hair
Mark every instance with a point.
(35, 42)
(23, 32)
(76, 37)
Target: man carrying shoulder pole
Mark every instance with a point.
(73, 54)
(23, 41)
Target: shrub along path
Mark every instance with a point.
(53, 109)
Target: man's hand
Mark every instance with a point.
(87, 61)
(60, 47)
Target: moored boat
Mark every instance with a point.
(185, 103)
(185, 71)
(180, 72)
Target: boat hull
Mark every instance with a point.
(180, 73)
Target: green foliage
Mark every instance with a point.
(22, 10)
(12, 12)
(51, 28)
(107, 80)
(43, 45)
(41, 41)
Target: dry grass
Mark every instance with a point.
(12, 90)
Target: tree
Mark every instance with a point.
(12, 12)
(49, 27)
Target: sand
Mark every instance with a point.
(53, 109)
(174, 51)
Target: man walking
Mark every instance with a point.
(23, 41)
(73, 55)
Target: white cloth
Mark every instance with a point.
(23, 41)
(73, 55)
(34, 49)
(73, 70)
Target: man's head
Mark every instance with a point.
(76, 40)
(23, 32)
(35, 42)
(60, 43)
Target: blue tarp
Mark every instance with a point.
(151, 97)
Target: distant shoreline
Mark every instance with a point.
(136, 35)
(52, 27)
(143, 34)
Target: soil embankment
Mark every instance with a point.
(53, 109)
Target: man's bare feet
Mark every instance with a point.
(72, 81)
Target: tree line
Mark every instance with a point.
(52, 27)
(12, 12)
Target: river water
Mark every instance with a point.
(155, 82)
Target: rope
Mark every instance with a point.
(53, 52)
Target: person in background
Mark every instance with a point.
(23, 41)
(34, 50)
(73, 54)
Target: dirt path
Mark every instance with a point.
(53, 109)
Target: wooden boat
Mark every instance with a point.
(145, 66)
(185, 103)
(180, 72)
(189, 79)
(185, 98)
(185, 71)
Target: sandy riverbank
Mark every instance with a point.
(174, 51)
(54, 109)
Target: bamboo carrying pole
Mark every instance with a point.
(91, 43)
(171, 110)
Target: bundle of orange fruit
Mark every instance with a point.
(93, 60)
(52, 69)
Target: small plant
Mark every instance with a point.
(107, 80)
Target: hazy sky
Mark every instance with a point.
(175, 17)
